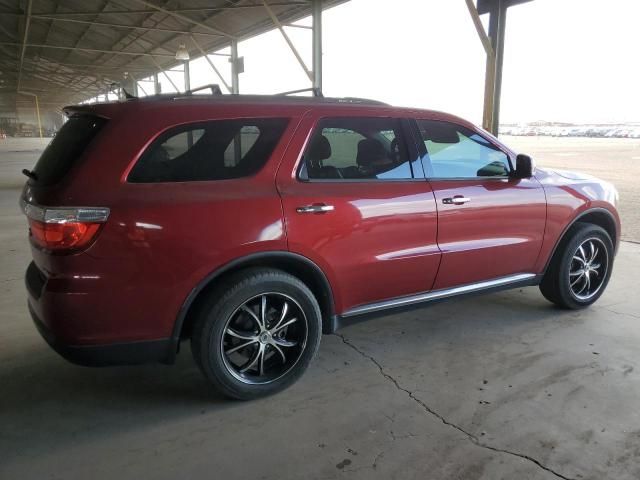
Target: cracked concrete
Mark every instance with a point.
(430, 411)
(496, 387)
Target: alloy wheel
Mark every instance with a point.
(264, 338)
(588, 268)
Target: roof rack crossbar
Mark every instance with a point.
(316, 92)
(214, 87)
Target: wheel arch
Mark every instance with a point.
(596, 216)
(297, 265)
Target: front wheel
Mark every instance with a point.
(580, 271)
(258, 335)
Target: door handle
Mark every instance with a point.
(319, 208)
(457, 200)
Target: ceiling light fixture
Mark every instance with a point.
(182, 53)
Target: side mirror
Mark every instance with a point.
(525, 166)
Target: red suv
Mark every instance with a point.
(251, 225)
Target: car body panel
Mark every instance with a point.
(389, 239)
(378, 242)
(498, 232)
(567, 200)
(160, 240)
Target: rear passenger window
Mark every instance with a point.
(216, 150)
(358, 149)
(458, 152)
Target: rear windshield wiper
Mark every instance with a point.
(32, 175)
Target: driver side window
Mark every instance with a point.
(457, 152)
(357, 149)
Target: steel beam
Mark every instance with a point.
(213, 67)
(27, 21)
(175, 10)
(293, 48)
(169, 40)
(493, 44)
(185, 18)
(120, 25)
(477, 23)
(164, 72)
(37, 105)
(93, 50)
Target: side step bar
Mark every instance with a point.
(521, 279)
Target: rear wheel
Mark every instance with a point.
(579, 272)
(258, 335)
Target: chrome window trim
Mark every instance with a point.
(438, 294)
(494, 178)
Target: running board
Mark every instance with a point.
(522, 279)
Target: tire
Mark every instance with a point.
(565, 283)
(236, 327)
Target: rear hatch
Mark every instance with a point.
(54, 226)
(66, 148)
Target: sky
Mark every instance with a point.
(565, 60)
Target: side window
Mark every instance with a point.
(178, 144)
(242, 143)
(358, 149)
(457, 152)
(215, 150)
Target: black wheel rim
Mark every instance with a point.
(588, 269)
(264, 338)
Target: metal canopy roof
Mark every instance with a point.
(66, 51)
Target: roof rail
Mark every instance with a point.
(359, 100)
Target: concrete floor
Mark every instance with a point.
(500, 386)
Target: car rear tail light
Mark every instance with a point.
(63, 229)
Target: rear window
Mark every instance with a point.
(215, 150)
(66, 148)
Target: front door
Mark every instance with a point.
(357, 204)
(490, 224)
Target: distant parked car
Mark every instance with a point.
(251, 225)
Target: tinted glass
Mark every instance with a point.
(66, 148)
(216, 150)
(457, 152)
(357, 149)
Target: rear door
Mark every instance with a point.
(490, 224)
(356, 203)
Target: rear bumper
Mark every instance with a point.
(63, 322)
(130, 353)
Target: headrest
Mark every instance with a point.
(370, 151)
(319, 148)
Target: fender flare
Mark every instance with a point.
(572, 223)
(249, 260)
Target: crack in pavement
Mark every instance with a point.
(606, 308)
(432, 412)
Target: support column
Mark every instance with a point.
(156, 84)
(317, 45)
(497, 39)
(187, 76)
(235, 70)
(38, 115)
